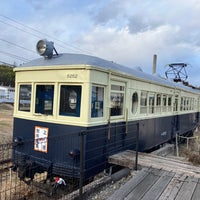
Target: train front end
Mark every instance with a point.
(49, 116)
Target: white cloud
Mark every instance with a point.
(132, 50)
(128, 32)
(127, 47)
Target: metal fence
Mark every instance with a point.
(88, 170)
(191, 143)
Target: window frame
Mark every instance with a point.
(18, 97)
(101, 102)
(76, 114)
(151, 102)
(158, 102)
(118, 88)
(135, 102)
(143, 102)
(53, 99)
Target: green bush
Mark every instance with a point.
(7, 76)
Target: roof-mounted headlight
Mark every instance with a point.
(45, 48)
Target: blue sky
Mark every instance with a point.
(128, 32)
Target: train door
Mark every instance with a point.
(176, 118)
(116, 132)
(198, 111)
(117, 94)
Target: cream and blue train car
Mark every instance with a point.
(62, 95)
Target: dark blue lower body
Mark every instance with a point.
(91, 145)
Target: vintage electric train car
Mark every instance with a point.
(65, 94)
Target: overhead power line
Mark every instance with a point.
(20, 29)
(16, 45)
(15, 56)
(8, 64)
(73, 47)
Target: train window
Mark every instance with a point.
(134, 102)
(24, 98)
(151, 103)
(117, 100)
(44, 99)
(195, 104)
(143, 102)
(97, 101)
(190, 107)
(169, 103)
(164, 103)
(70, 100)
(158, 103)
(187, 104)
(192, 104)
(176, 103)
(181, 105)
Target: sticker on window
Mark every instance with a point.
(41, 139)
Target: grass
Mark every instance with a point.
(192, 151)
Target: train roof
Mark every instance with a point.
(80, 59)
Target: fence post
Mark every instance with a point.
(82, 141)
(136, 149)
(187, 143)
(177, 150)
